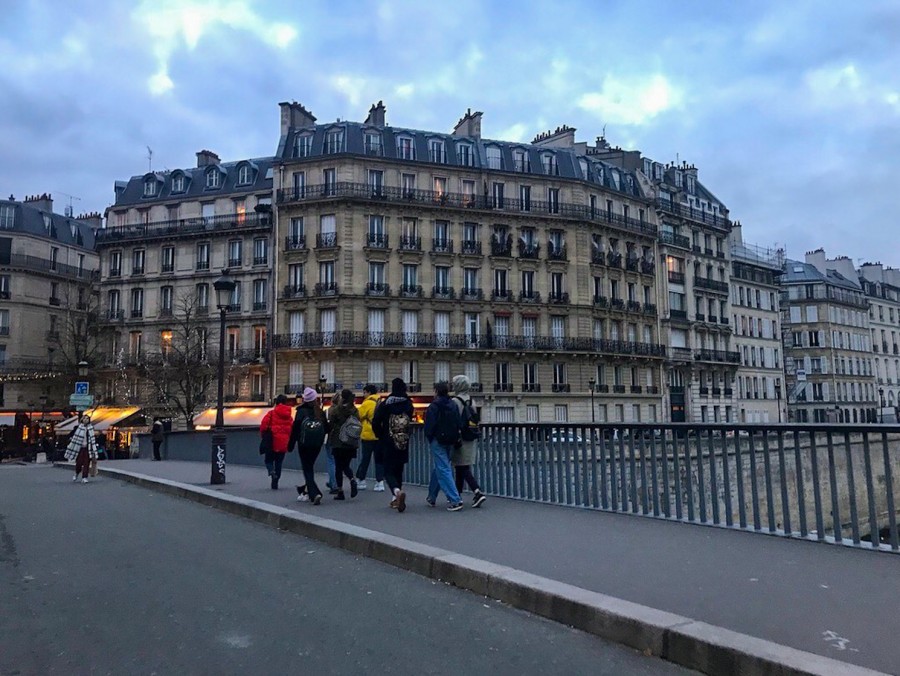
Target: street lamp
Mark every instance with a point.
(321, 387)
(591, 384)
(778, 398)
(82, 369)
(224, 287)
(881, 399)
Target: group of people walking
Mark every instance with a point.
(380, 430)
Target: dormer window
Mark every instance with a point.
(150, 187)
(648, 167)
(584, 167)
(436, 151)
(244, 175)
(548, 161)
(405, 148)
(677, 179)
(465, 155)
(373, 143)
(600, 175)
(303, 145)
(213, 179)
(520, 161)
(178, 183)
(494, 157)
(334, 142)
(691, 185)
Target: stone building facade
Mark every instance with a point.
(47, 270)
(882, 287)
(756, 319)
(531, 268)
(829, 374)
(168, 236)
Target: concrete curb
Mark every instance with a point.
(684, 641)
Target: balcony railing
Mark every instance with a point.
(678, 314)
(115, 315)
(561, 387)
(184, 226)
(443, 292)
(503, 387)
(408, 243)
(471, 293)
(444, 246)
(647, 267)
(636, 389)
(471, 248)
(235, 262)
(260, 306)
(326, 240)
(614, 259)
(55, 301)
(674, 240)
(649, 309)
(617, 304)
(529, 296)
(531, 387)
(294, 291)
(503, 248)
(464, 341)
(557, 252)
(727, 356)
(504, 295)
(260, 260)
(699, 215)
(558, 297)
(167, 267)
(631, 264)
(297, 243)
(711, 284)
(326, 289)
(362, 191)
(411, 290)
(618, 389)
(601, 301)
(676, 277)
(633, 306)
(377, 240)
(531, 251)
(378, 289)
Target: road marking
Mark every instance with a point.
(836, 641)
(236, 640)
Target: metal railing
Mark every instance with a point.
(830, 483)
(183, 226)
(50, 267)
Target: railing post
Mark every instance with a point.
(889, 488)
(870, 493)
(770, 499)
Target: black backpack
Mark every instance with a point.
(446, 428)
(469, 429)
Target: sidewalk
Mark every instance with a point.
(834, 601)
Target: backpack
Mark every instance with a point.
(446, 429)
(469, 430)
(398, 430)
(312, 432)
(350, 432)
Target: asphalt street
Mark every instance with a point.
(109, 578)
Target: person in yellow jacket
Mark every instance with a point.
(368, 441)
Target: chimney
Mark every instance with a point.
(206, 158)
(469, 125)
(294, 115)
(376, 115)
(817, 260)
(562, 137)
(737, 236)
(42, 202)
(93, 219)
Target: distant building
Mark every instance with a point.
(47, 268)
(757, 330)
(168, 236)
(829, 373)
(882, 287)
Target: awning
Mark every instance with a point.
(235, 416)
(101, 418)
(8, 419)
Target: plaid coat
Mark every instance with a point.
(83, 436)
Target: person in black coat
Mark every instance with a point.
(391, 424)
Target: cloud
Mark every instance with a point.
(175, 24)
(631, 102)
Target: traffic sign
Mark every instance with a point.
(82, 387)
(81, 401)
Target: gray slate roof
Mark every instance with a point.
(131, 192)
(29, 219)
(798, 272)
(567, 160)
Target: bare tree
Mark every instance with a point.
(182, 373)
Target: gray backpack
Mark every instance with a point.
(350, 432)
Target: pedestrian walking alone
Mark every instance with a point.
(368, 443)
(390, 424)
(442, 425)
(344, 440)
(308, 434)
(465, 453)
(157, 436)
(82, 448)
(275, 431)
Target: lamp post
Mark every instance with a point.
(881, 399)
(591, 384)
(778, 399)
(224, 287)
(321, 387)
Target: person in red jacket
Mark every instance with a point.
(275, 429)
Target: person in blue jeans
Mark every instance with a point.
(329, 458)
(442, 425)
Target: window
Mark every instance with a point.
(375, 372)
(303, 145)
(235, 304)
(406, 149)
(54, 257)
(115, 263)
(165, 342)
(436, 151)
(166, 300)
(178, 183)
(410, 277)
(137, 262)
(260, 294)
(494, 157)
(520, 161)
(329, 182)
(297, 233)
(497, 195)
(137, 302)
(560, 413)
(529, 375)
(376, 182)
(548, 162)
(524, 197)
(7, 216)
(559, 373)
(213, 179)
(376, 275)
(202, 262)
(334, 141)
(260, 251)
(150, 187)
(168, 259)
(203, 298)
(501, 374)
(135, 344)
(113, 304)
(235, 253)
(470, 280)
(465, 155)
(373, 144)
(439, 188)
(553, 200)
(326, 274)
(441, 279)
(245, 175)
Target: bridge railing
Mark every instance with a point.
(831, 483)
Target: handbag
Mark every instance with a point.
(265, 444)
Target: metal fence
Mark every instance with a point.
(831, 483)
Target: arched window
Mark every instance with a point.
(245, 175)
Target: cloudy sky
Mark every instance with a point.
(789, 109)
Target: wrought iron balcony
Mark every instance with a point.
(376, 240)
(326, 240)
(411, 290)
(688, 211)
(700, 317)
(727, 356)
(674, 240)
(470, 293)
(598, 257)
(561, 387)
(503, 387)
(260, 260)
(202, 265)
(614, 259)
(631, 264)
(294, 291)
(137, 270)
(678, 314)
(502, 295)
(471, 248)
(503, 248)
(557, 252)
(167, 267)
(710, 284)
(297, 243)
(601, 301)
(443, 292)
(408, 243)
(260, 306)
(444, 246)
(531, 387)
(558, 297)
(165, 312)
(115, 272)
(617, 304)
(137, 314)
(636, 389)
(649, 309)
(115, 315)
(676, 277)
(325, 289)
(618, 389)
(378, 289)
(530, 251)
(647, 267)
(704, 391)
(198, 226)
(529, 296)
(633, 306)
(602, 388)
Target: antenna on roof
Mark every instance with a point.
(149, 158)
(68, 211)
(603, 133)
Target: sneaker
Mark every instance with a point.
(340, 496)
(401, 501)
(317, 500)
(333, 491)
(354, 488)
(303, 497)
(75, 478)
(478, 499)
(301, 490)
(84, 481)
(361, 485)
(379, 486)
(431, 503)
(455, 508)
(394, 503)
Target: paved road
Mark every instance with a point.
(835, 601)
(110, 578)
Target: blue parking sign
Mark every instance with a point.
(81, 387)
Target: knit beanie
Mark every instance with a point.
(309, 394)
